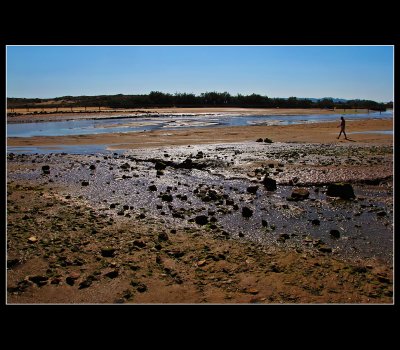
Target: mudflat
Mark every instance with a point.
(211, 215)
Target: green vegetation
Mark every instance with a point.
(207, 99)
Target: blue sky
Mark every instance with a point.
(351, 72)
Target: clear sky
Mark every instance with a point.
(350, 72)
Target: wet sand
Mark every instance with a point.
(325, 133)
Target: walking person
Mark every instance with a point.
(342, 128)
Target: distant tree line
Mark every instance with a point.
(207, 99)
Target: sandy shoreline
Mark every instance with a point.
(324, 133)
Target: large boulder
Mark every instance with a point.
(342, 190)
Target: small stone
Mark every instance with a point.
(107, 252)
(112, 274)
(141, 288)
(32, 239)
(300, 194)
(201, 220)
(167, 197)
(252, 189)
(342, 190)
(46, 169)
(252, 291)
(85, 284)
(335, 233)
(39, 280)
(163, 237)
(247, 212)
(325, 249)
(270, 184)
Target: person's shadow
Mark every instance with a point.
(351, 140)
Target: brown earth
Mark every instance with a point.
(57, 253)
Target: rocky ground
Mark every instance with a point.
(254, 222)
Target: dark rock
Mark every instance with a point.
(270, 184)
(383, 279)
(107, 252)
(342, 190)
(325, 249)
(167, 198)
(92, 167)
(252, 189)
(267, 140)
(259, 140)
(275, 267)
(72, 278)
(112, 274)
(247, 212)
(283, 237)
(199, 155)
(300, 194)
(39, 280)
(46, 169)
(153, 188)
(315, 222)
(160, 165)
(264, 223)
(141, 288)
(230, 202)
(125, 166)
(12, 263)
(85, 284)
(85, 183)
(163, 237)
(335, 233)
(201, 219)
(140, 244)
(381, 213)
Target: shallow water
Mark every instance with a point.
(140, 124)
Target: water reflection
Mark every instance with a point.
(140, 124)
